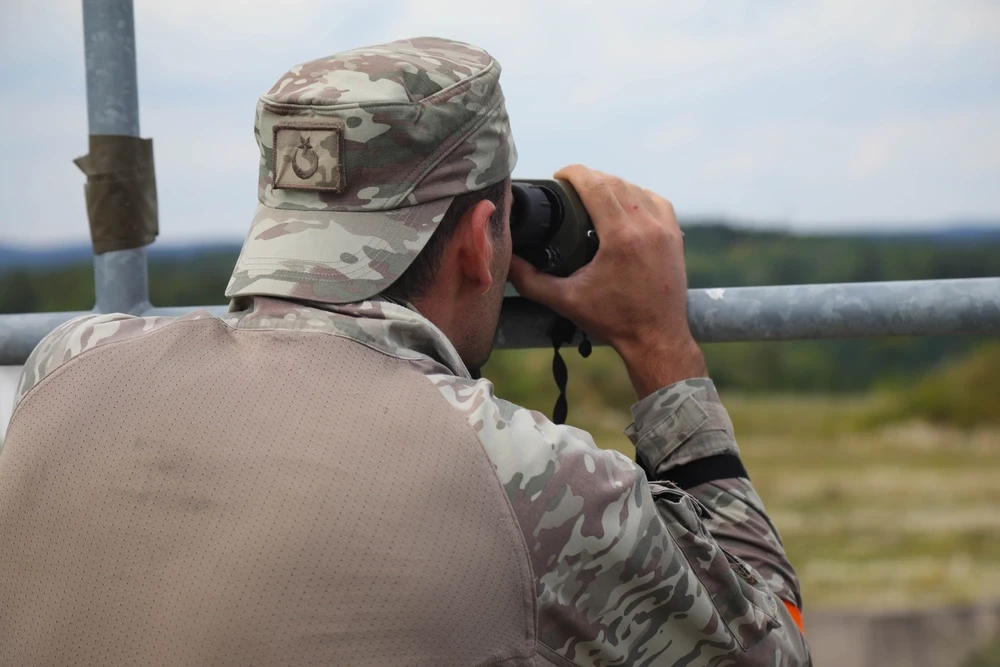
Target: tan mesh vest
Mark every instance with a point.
(200, 495)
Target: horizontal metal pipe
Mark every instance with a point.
(790, 312)
(19, 334)
(797, 312)
(802, 312)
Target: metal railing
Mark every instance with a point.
(970, 306)
(790, 312)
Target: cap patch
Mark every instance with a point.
(308, 155)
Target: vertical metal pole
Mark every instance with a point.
(121, 278)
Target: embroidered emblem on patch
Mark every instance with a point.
(309, 155)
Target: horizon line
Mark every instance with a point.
(869, 228)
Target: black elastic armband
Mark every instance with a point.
(702, 471)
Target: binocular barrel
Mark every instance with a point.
(550, 226)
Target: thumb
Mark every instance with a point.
(534, 284)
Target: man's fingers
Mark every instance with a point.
(534, 284)
(647, 200)
(596, 193)
(663, 206)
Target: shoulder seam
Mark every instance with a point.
(526, 555)
(19, 398)
(58, 370)
(337, 334)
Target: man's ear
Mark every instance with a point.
(476, 246)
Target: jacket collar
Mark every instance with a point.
(392, 327)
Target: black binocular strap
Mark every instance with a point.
(701, 471)
(562, 333)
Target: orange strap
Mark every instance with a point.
(796, 615)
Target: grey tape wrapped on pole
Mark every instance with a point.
(915, 308)
(120, 192)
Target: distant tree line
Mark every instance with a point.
(717, 256)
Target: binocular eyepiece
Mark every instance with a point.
(550, 226)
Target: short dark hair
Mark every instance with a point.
(419, 277)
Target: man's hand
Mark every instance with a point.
(633, 295)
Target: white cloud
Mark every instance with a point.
(824, 111)
(967, 139)
(675, 133)
(727, 166)
(41, 187)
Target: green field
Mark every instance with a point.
(898, 515)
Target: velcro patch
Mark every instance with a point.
(308, 155)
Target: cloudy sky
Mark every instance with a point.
(804, 114)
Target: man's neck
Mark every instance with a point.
(432, 309)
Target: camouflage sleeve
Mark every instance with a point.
(54, 350)
(686, 423)
(626, 571)
(79, 335)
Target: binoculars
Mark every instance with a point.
(550, 226)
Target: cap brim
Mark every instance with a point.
(332, 256)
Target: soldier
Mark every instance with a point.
(317, 478)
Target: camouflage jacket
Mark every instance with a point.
(627, 570)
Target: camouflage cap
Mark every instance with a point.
(361, 155)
